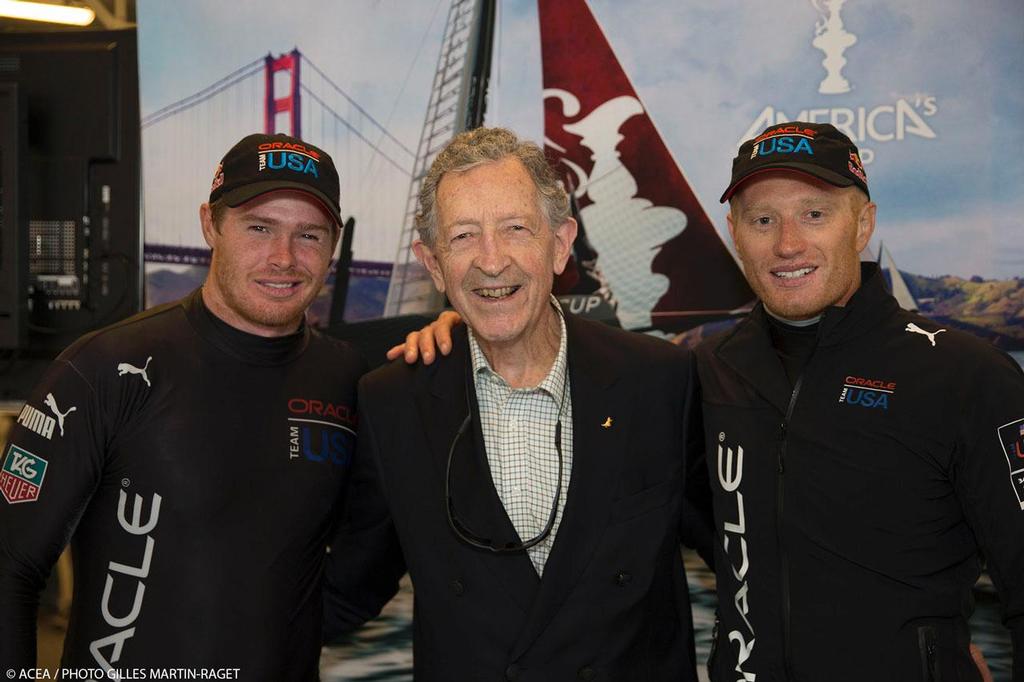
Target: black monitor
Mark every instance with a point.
(70, 228)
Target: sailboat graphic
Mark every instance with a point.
(656, 246)
(897, 285)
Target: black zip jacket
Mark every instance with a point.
(197, 470)
(853, 508)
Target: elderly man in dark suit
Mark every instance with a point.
(533, 482)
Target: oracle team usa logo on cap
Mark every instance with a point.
(1011, 437)
(22, 474)
(285, 155)
(259, 164)
(784, 140)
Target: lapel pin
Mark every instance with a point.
(607, 423)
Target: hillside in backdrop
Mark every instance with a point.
(993, 309)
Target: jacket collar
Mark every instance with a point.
(867, 308)
(249, 348)
(748, 348)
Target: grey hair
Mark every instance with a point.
(485, 145)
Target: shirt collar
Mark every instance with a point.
(250, 348)
(554, 383)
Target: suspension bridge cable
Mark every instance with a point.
(408, 73)
(359, 108)
(204, 94)
(358, 134)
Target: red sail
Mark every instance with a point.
(665, 262)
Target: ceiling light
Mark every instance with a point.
(41, 11)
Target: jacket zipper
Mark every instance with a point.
(783, 561)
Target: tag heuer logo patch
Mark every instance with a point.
(22, 475)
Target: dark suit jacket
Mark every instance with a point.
(613, 603)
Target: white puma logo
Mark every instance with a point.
(127, 368)
(51, 402)
(911, 327)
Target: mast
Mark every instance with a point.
(457, 103)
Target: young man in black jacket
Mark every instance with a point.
(863, 458)
(194, 454)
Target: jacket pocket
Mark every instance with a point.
(713, 654)
(944, 653)
(927, 643)
(646, 500)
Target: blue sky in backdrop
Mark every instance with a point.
(951, 203)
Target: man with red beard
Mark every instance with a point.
(194, 454)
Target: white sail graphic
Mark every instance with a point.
(898, 285)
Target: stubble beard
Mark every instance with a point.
(254, 311)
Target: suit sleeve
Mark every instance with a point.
(365, 561)
(697, 529)
(50, 469)
(990, 482)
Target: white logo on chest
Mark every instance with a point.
(128, 368)
(911, 327)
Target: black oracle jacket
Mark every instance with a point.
(853, 510)
(197, 470)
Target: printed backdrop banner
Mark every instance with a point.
(928, 89)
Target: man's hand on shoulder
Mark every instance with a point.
(423, 344)
(979, 660)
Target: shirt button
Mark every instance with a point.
(622, 578)
(586, 673)
(512, 672)
(457, 587)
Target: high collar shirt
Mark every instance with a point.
(518, 426)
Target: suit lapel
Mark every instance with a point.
(597, 455)
(442, 401)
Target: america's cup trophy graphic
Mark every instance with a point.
(833, 39)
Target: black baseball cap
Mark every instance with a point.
(259, 163)
(816, 149)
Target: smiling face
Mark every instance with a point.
(270, 258)
(495, 254)
(799, 240)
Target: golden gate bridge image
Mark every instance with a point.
(380, 174)
(285, 93)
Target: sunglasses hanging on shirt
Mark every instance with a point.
(462, 530)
